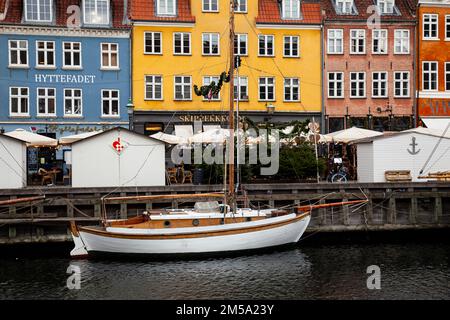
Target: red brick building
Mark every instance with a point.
(369, 69)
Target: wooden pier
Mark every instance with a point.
(391, 206)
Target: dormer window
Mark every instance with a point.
(166, 7)
(39, 10)
(344, 7)
(386, 6)
(290, 9)
(96, 11)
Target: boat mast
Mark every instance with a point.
(231, 194)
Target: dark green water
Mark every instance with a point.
(412, 269)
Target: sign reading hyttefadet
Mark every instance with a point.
(64, 78)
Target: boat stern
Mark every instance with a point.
(80, 249)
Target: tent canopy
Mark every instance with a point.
(351, 134)
(436, 123)
(32, 139)
(76, 137)
(169, 138)
(211, 136)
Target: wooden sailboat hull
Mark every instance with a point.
(250, 235)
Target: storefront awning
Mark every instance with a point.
(32, 139)
(76, 137)
(436, 123)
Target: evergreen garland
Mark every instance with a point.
(212, 89)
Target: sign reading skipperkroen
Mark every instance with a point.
(64, 78)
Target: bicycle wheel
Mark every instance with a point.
(339, 177)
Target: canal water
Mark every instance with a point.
(415, 268)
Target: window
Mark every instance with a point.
(240, 44)
(291, 44)
(267, 89)
(46, 102)
(72, 54)
(291, 89)
(266, 45)
(96, 11)
(379, 41)
(335, 39)
(207, 81)
(110, 103)
(430, 26)
(386, 6)
(38, 10)
(18, 101)
(72, 103)
(358, 41)
(153, 88)
(430, 76)
(335, 84)
(357, 84)
(241, 6)
(447, 76)
(401, 84)
(183, 88)
(210, 5)
(166, 7)
(110, 55)
(241, 88)
(45, 54)
(210, 43)
(181, 43)
(447, 27)
(344, 6)
(379, 84)
(18, 53)
(291, 9)
(401, 41)
(153, 43)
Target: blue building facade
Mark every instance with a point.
(64, 66)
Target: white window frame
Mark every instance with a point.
(447, 76)
(358, 86)
(18, 49)
(239, 83)
(383, 6)
(333, 41)
(210, 36)
(206, 81)
(108, 10)
(344, 7)
(45, 50)
(210, 2)
(264, 88)
(165, 12)
(291, 46)
(152, 40)
(266, 38)
(290, 5)
(291, 86)
(26, 8)
(403, 84)
(360, 35)
(401, 39)
(241, 3)
(183, 84)
(377, 34)
(72, 53)
(335, 82)
(110, 53)
(182, 34)
(447, 27)
(430, 23)
(72, 99)
(110, 100)
(153, 84)
(238, 47)
(380, 82)
(19, 96)
(46, 97)
(430, 72)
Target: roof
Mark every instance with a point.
(144, 10)
(14, 14)
(418, 130)
(2, 135)
(118, 129)
(269, 12)
(404, 6)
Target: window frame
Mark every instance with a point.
(344, 2)
(380, 82)
(210, 5)
(18, 49)
(291, 46)
(110, 99)
(46, 97)
(110, 54)
(334, 43)
(204, 84)
(108, 10)
(46, 51)
(38, 8)
(447, 76)
(72, 51)
(358, 81)
(210, 36)
(167, 14)
(402, 82)
(447, 27)
(153, 43)
(358, 38)
(266, 36)
(238, 47)
(386, 2)
(291, 87)
(386, 40)
(19, 96)
(283, 11)
(153, 84)
(437, 76)
(430, 23)
(237, 9)
(239, 87)
(266, 86)
(335, 81)
(402, 39)
(72, 99)
(182, 86)
(182, 42)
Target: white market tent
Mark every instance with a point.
(13, 162)
(436, 123)
(351, 134)
(211, 136)
(32, 139)
(169, 138)
(76, 137)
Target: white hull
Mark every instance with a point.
(289, 231)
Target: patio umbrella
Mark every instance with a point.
(351, 134)
(32, 139)
(76, 137)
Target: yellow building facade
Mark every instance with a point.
(280, 62)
